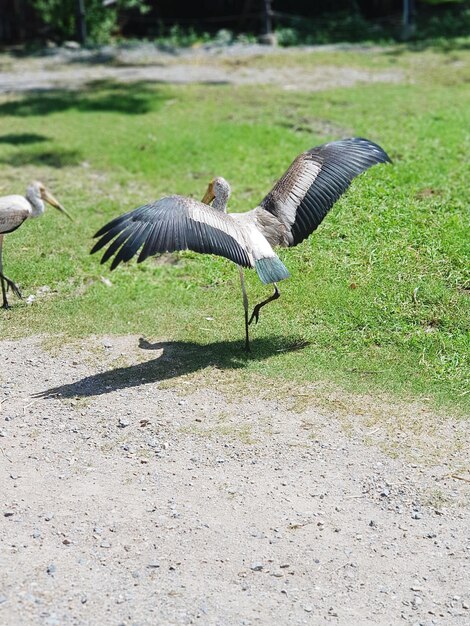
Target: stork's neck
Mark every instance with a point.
(37, 205)
(220, 201)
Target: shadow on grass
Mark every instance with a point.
(103, 95)
(175, 358)
(53, 158)
(17, 139)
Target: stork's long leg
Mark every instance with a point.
(256, 310)
(245, 306)
(5, 304)
(6, 282)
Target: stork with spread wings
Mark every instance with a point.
(291, 211)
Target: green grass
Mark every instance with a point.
(379, 294)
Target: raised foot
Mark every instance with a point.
(256, 310)
(255, 315)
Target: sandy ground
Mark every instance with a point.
(71, 69)
(132, 494)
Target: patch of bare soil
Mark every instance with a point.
(131, 496)
(67, 69)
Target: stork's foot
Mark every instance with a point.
(8, 284)
(16, 290)
(255, 315)
(256, 310)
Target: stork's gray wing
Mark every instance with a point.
(315, 180)
(172, 223)
(13, 212)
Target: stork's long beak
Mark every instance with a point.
(209, 195)
(48, 197)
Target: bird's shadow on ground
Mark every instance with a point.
(175, 358)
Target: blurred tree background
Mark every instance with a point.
(186, 22)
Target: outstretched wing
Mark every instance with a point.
(315, 180)
(172, 223)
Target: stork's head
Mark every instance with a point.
(219, 191)
(38, 190)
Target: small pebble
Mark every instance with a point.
(256, 566)
(3, 599)
(308, 608)
(416, 515)
(51, 570)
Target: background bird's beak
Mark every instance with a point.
(48, 197)
(209, 195)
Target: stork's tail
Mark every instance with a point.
(271, 270)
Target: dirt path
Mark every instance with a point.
(130, 497)
(71, 69)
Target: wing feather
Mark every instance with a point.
(13, 212)
(133, 243)
(173, 223)
(314, 182)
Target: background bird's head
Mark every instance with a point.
(38, 190)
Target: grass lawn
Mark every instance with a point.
(379, 294)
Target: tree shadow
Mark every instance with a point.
(17, 139)
(100, 95)
(176, 358)
(58, 157)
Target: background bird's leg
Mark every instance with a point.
(5, 304)
(245, 306)
(255, 314)
(2, 277)
(6, 282)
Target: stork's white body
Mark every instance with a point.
(15, 209)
